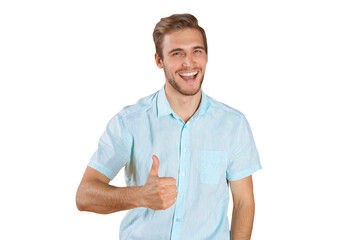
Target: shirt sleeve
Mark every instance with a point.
(244, 158)
(114, 148)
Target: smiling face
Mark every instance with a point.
(184, 60)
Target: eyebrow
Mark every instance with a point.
(176, 50)
(199, 47)
(181, 49)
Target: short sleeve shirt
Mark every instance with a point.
(213, 146)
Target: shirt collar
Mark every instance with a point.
(163, 106)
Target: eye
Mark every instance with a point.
(198, 51)
(176, 54)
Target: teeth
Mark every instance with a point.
(188, 74)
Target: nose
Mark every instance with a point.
(188, 61)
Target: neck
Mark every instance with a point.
(184, 106)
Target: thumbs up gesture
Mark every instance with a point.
(159, 193)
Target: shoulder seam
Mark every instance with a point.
(127, 110)
(226, 108)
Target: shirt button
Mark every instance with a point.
(182, 174)
(178, 219)
(184, 150)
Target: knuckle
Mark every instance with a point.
(162, 182)
(162, 192)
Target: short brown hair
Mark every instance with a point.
(175, 23)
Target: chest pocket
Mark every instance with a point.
(213, 166)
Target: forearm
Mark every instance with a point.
(99, 197)
(242, 221)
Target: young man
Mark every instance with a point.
(180, 149)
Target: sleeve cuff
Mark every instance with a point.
(244, 173)
(104, 170)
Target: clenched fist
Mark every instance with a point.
(159, 192)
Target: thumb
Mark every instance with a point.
(155, 167)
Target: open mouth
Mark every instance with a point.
(188, 76)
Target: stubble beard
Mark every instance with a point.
(171, 79)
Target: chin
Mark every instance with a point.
(189, 92)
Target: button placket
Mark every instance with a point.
(182, 183)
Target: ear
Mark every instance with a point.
(158, 61)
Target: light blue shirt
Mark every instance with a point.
(216, 144)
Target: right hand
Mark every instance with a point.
(159, 192)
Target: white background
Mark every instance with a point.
(292, 67)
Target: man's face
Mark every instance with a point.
(184, 60)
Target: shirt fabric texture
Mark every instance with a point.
(213, 146)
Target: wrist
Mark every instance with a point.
(140, 197)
